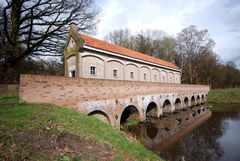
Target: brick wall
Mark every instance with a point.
(70, 91)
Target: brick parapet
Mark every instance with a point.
(70, 91)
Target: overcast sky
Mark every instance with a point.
(220, 17)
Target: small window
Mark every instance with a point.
(145, 76)
(72, 73)
(155, 77)
(163, 78)
(115, 73)
(131, 75)
(93, 70)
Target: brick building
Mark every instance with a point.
(88, 57)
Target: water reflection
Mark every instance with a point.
(215, 139)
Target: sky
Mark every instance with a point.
(220, 17)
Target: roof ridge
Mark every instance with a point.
(94, 42)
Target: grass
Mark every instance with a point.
(224, 96)
(9, 99)
(28, 118)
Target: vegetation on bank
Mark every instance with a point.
(225, 96)
(46, 132)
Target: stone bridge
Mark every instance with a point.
(113, 101)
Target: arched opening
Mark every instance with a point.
(100, 115)
(198, 100)
(130, 113)
(203, 99)
(167, 106)
(193, 103)
(151, 110)
(186, 105)
(178, 104)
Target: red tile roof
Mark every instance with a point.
(96, 43)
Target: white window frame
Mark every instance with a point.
(155, 77)
(115, 73)
(145, 76)
(93, 72)
(132, 75)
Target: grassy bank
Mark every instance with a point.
(225, 96)
(47, 132)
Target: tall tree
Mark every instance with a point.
(38, 28)
(191, 43)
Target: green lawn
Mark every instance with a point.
(37, 132)
(226, 96)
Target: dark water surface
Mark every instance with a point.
(217, 139)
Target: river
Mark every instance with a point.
(216, 139)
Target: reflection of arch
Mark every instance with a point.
(203, 99)
(100, 115)
(193, 101)
(186, 102)
(178, 104)
(129, 112)
(198, 100)
(167, 106)
(151, 110)
(151, 131)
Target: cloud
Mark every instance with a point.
(221, 18)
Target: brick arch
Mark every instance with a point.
(186, 102)
(167, 106)
(152, 110)
(132, 64)
(102, 115)
(127, 112)
(198, 100)
(178, 103)
(91, 55)
(192, 101)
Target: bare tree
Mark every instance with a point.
(39, 27)
(191, 43)
(152, 42)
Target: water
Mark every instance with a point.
(217, 139)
